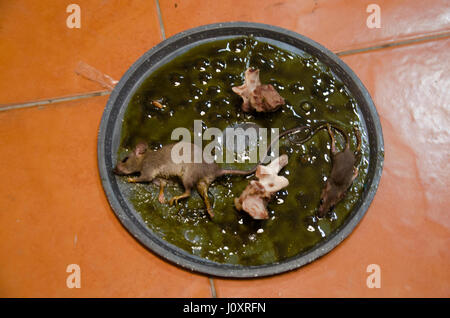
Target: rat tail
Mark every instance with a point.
(284, 133)
(311, 134)
(358, 139)
(237, 172)
(316, 130)
(358, 151)
(347, 140)
(343, 133)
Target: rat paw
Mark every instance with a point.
(210, 212)
(174, 200)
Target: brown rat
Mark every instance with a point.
(159, 164)
(343, 173)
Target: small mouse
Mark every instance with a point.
(158, 165)
(343, 173)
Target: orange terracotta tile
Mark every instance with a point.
(39, 53)
(407, 228)
(337, 24)
(54, 213)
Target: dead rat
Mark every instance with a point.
(343, 172)
(159, 164)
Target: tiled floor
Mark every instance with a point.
(53, 211)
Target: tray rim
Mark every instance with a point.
(180, 257)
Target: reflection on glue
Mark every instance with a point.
(91, 73)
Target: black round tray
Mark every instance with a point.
(111, 125)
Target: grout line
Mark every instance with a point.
(52, 100)
(393, 44)
(212, 287)
(6, 107)
(161, 24)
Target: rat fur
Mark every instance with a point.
(343, 173)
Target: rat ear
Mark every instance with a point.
(140, 149)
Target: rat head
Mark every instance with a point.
(328, 198)
(132, 163)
